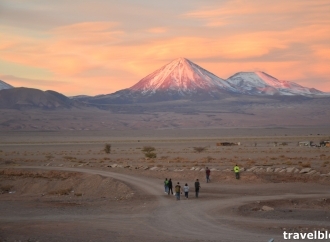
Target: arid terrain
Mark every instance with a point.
(63, 186)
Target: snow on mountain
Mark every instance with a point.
(4, 85)
(260, 83)
(181, 76)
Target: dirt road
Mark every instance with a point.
(155, 216)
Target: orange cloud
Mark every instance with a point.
(289, 40)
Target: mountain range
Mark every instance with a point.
(180, 79)
(179, 95)
(183, 79)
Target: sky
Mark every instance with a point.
(96, 47)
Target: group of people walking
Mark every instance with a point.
(168, 184)
(178, 190)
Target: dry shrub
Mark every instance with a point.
(150, 155)
(148, 152)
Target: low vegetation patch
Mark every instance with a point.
(149, 152)
(107, 148)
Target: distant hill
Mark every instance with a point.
(27, 98)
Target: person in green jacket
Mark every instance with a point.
(166, 185)
(236, 170)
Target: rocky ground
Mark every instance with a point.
(55, 187)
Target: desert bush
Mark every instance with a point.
(148, 152)
(150, 155)
(199, 149)
(107, 148)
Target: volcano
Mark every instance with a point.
(260, 83)
(179, 79)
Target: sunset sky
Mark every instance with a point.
(100, 46)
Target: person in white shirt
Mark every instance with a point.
(186, 190)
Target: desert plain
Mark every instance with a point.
(63, 186)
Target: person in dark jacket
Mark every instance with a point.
(170, 187)
(208, 173)
(197, 186)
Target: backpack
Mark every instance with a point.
(177, 188)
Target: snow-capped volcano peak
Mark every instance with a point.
(180, 76)
(262, 83)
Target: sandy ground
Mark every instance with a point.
(62, 187)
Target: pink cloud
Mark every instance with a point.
(289, 40)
